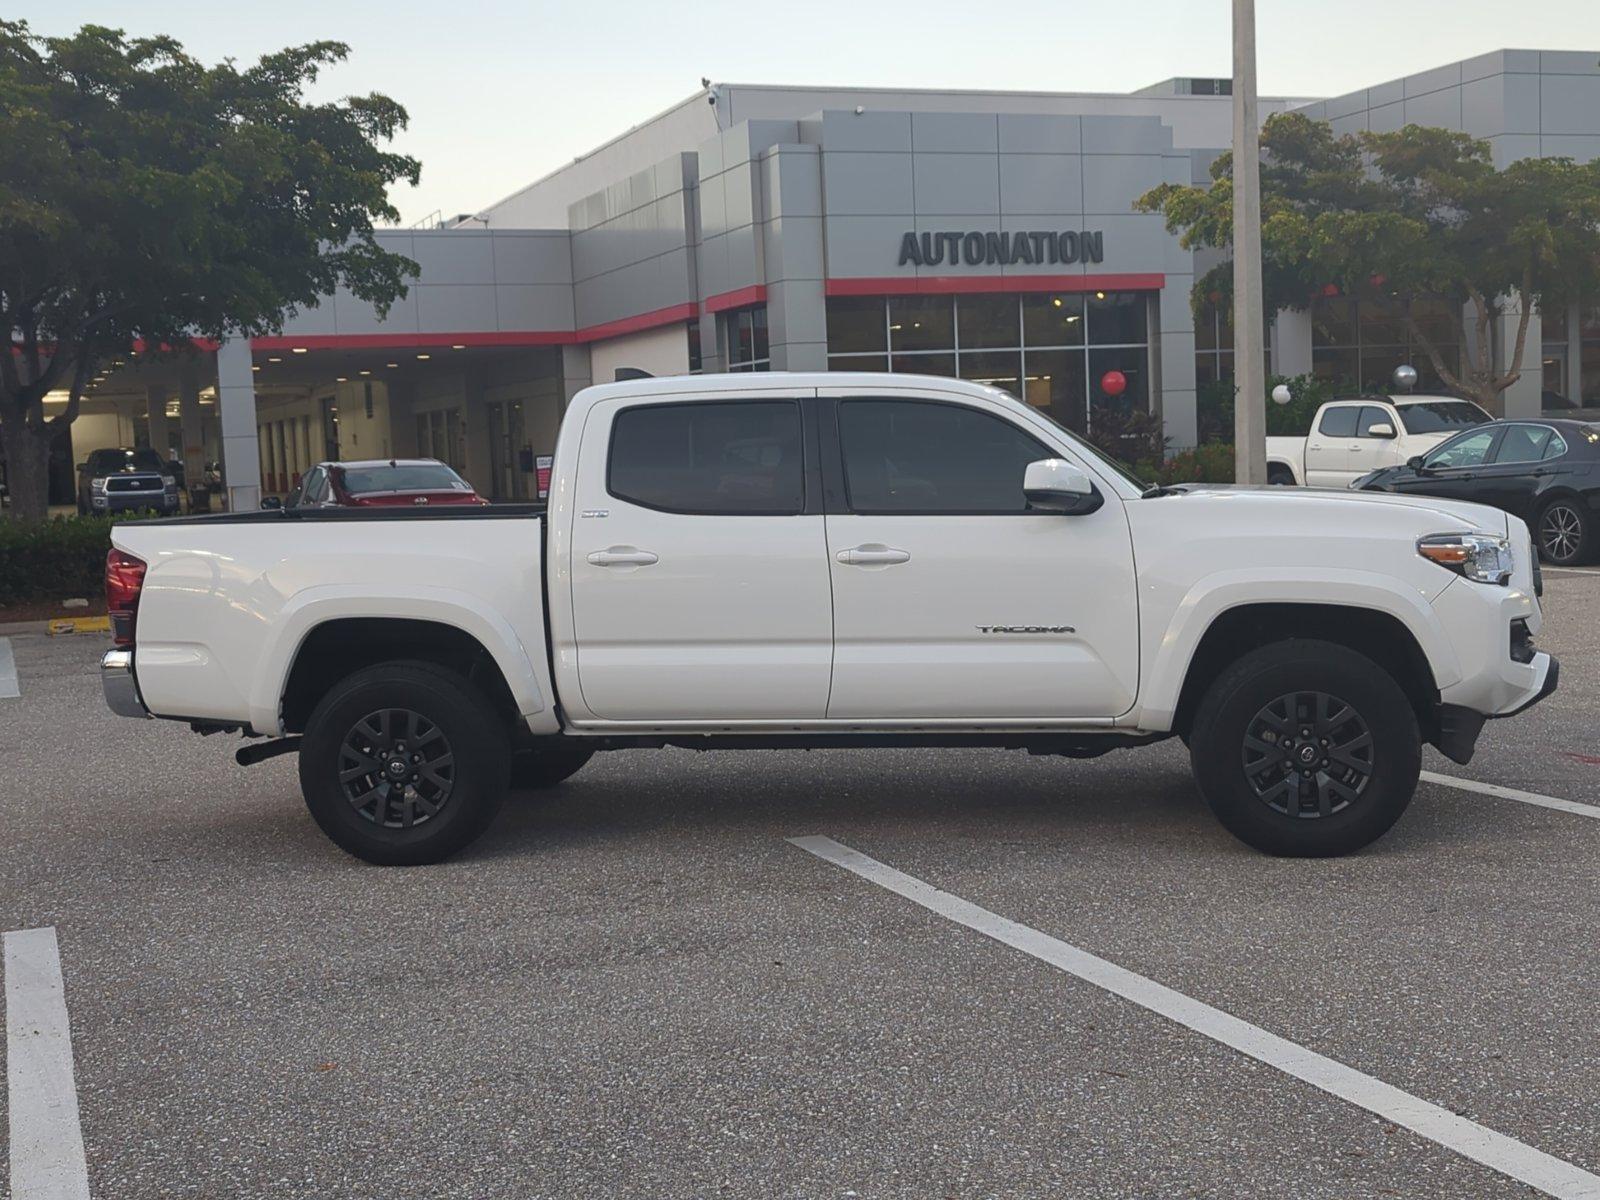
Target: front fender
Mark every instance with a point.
(315, 606)
(1174, 648)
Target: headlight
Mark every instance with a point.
(1477, 556)
(97, 486)
(169, 482)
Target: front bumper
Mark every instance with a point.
(120, 502)
(120, 686)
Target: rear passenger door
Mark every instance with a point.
(1334, 451)
(1521, 463)
(952, 599)
(699, 567)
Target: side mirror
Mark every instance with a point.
(271, 502)
(1380, 430)
(1416, 463)
(1055, 485)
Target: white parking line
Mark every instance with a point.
(1494, 789)
(8, 672)
(1571, 571)
(1483, 1145)
(47, 1160)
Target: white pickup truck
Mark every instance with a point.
(810, 560)
(1358, 434)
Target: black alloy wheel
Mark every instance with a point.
(1561, 533)
(1308, 755)
(404, 762)
(396, 768)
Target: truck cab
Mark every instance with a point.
(1352, 436)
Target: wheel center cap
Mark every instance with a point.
(1308, 754)
(396, 767)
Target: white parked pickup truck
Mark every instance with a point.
(857, 560)
(1358, 434)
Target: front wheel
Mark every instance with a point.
(1565, 532)
(404, 763)
(1306, 748)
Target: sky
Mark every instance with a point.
(501, 93)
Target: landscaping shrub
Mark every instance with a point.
(53, 560)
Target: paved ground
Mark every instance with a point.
(635, 986)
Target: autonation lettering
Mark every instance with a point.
(977, 249)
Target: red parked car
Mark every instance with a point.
(378, 483)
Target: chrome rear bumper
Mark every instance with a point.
(119, 685)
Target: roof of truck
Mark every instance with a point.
(744, 381)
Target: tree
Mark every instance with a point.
(1388, 218)
(149, 200)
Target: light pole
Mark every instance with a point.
(1249, 370)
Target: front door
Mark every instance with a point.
(951, 599)
(1452, 469)
(699, 565)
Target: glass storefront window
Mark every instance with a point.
(1116, 318)
(1028, 345)
(985, 321)
(856, 325)
(1001, 369)
(746, 332)
(921, 323)
(1053, 320)
(1339, 367)
(1056, 383)
(1333, 321)
(924, 364)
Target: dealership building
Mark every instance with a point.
(986, 235)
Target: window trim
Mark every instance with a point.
(1496, 434)
(808, 489)
(840, 502)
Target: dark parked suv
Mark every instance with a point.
(126, 480)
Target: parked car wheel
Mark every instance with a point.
(404, 763)
(1306, 748)
(1279, 475)
(1565, 532)
(547, 765)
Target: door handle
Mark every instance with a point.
(872, 554)
(1356, 449)
(623, 556)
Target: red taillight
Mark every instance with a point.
(124, 579)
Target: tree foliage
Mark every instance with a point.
(148, 198)
(1389, 217)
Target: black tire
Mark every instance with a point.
(1279, 476)
(1350, 779)
(1565, 532)
(447, 719)
(546, 766)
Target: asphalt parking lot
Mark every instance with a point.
(637, 985)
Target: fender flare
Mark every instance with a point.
(306, 610)
(1222, 591)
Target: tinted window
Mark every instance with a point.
(402, 477)
(313, 487)
(1441, 416)
(1370, 417)
(104, 462)
(913, 456)
(739, 457)
(1556, 446)
(1523, 443)
(1339, 422)
(1468, 450)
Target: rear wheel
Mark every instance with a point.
(1279, 476)
(403, 763)
(547, 765)
(1306, 748)
(1565, 532)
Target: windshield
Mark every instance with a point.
(107, 461)
(1094, 452)
(402, 477)
(1441, 416)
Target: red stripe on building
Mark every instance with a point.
(743, 297)
(945, 285)
(671, 315)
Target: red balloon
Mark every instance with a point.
(1113, 383)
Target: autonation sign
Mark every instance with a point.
(977, 248)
